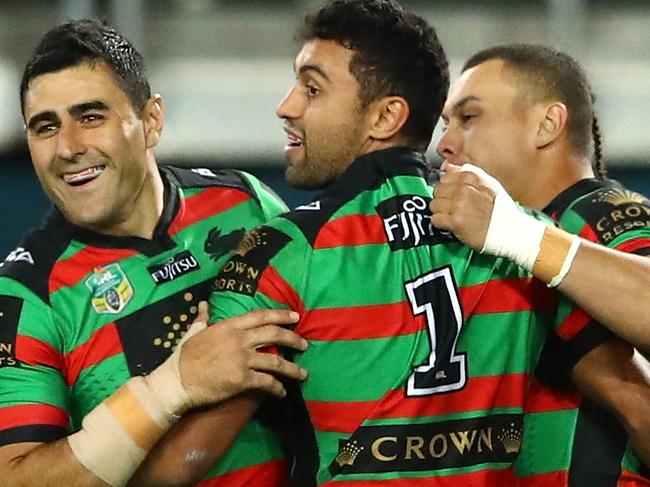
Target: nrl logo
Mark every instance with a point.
(110, 288)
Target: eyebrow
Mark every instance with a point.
(74, 110)
(312, 67)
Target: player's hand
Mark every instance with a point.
(463, 204)
(222, 361)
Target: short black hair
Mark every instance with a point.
(90, 41)
(551, 74)
(396, 53)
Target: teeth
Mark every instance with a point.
(293, 140)
(83, 176)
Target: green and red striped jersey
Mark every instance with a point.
(420, 349)
(81, 313)
(569, 441)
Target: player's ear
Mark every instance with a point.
(387, 117)
(153, 119)
(552, 124)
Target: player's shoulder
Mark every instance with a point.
(203, 177)
(310, 218)
(611, 209)
(31, 263)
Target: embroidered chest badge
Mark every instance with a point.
(110, 288)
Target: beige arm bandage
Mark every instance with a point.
(117, 435)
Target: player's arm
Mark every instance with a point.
(612, 286)
(617, 377)
(252, 282)
(212, 365)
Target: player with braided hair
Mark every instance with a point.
(525, 114)
(599, 165)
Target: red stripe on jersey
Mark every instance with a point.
(270, 474)
(351, 230)
(273, 285)
(481, 393)
(634, 245)
(69, 272)
(506, 295)
(202, 205)
(573, 323)
(588, 233)
(36, 352)
(381, 320)
(632, 479)
(104, 343)
(543, 399)
(550, 479)
(491, 477)
(31, 414)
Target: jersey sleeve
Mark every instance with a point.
(271, 204)
(33, 389)
(265, 272)
(616, 218)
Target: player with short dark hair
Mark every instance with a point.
(420, 349)
(94, 374)
(525, 114)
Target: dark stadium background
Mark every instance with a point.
(223, 65)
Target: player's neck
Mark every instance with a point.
(553, 175)
(141, 217)
(147, 211)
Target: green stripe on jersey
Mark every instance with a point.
(542, 429)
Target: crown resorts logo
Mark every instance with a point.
(348, 454)
(250, 241)
(110, 288)
(511, 438)
(619, 197)
(177, 327)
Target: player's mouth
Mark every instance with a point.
(80, 178)
(294, 140)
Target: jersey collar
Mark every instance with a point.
(561, 202)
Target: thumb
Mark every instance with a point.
(203, 314)
(485, 178)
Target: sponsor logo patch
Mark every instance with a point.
(430, 446)
(614, 212)
(149, 336)
(110, 288)
(218, 245)
(407, 222)
(179, 265)
(242, 273)
(10, 309)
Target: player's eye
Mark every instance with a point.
(45, 128)
(311, 90)
(91, 118)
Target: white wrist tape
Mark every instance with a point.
(544, 250)
(117, 435)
